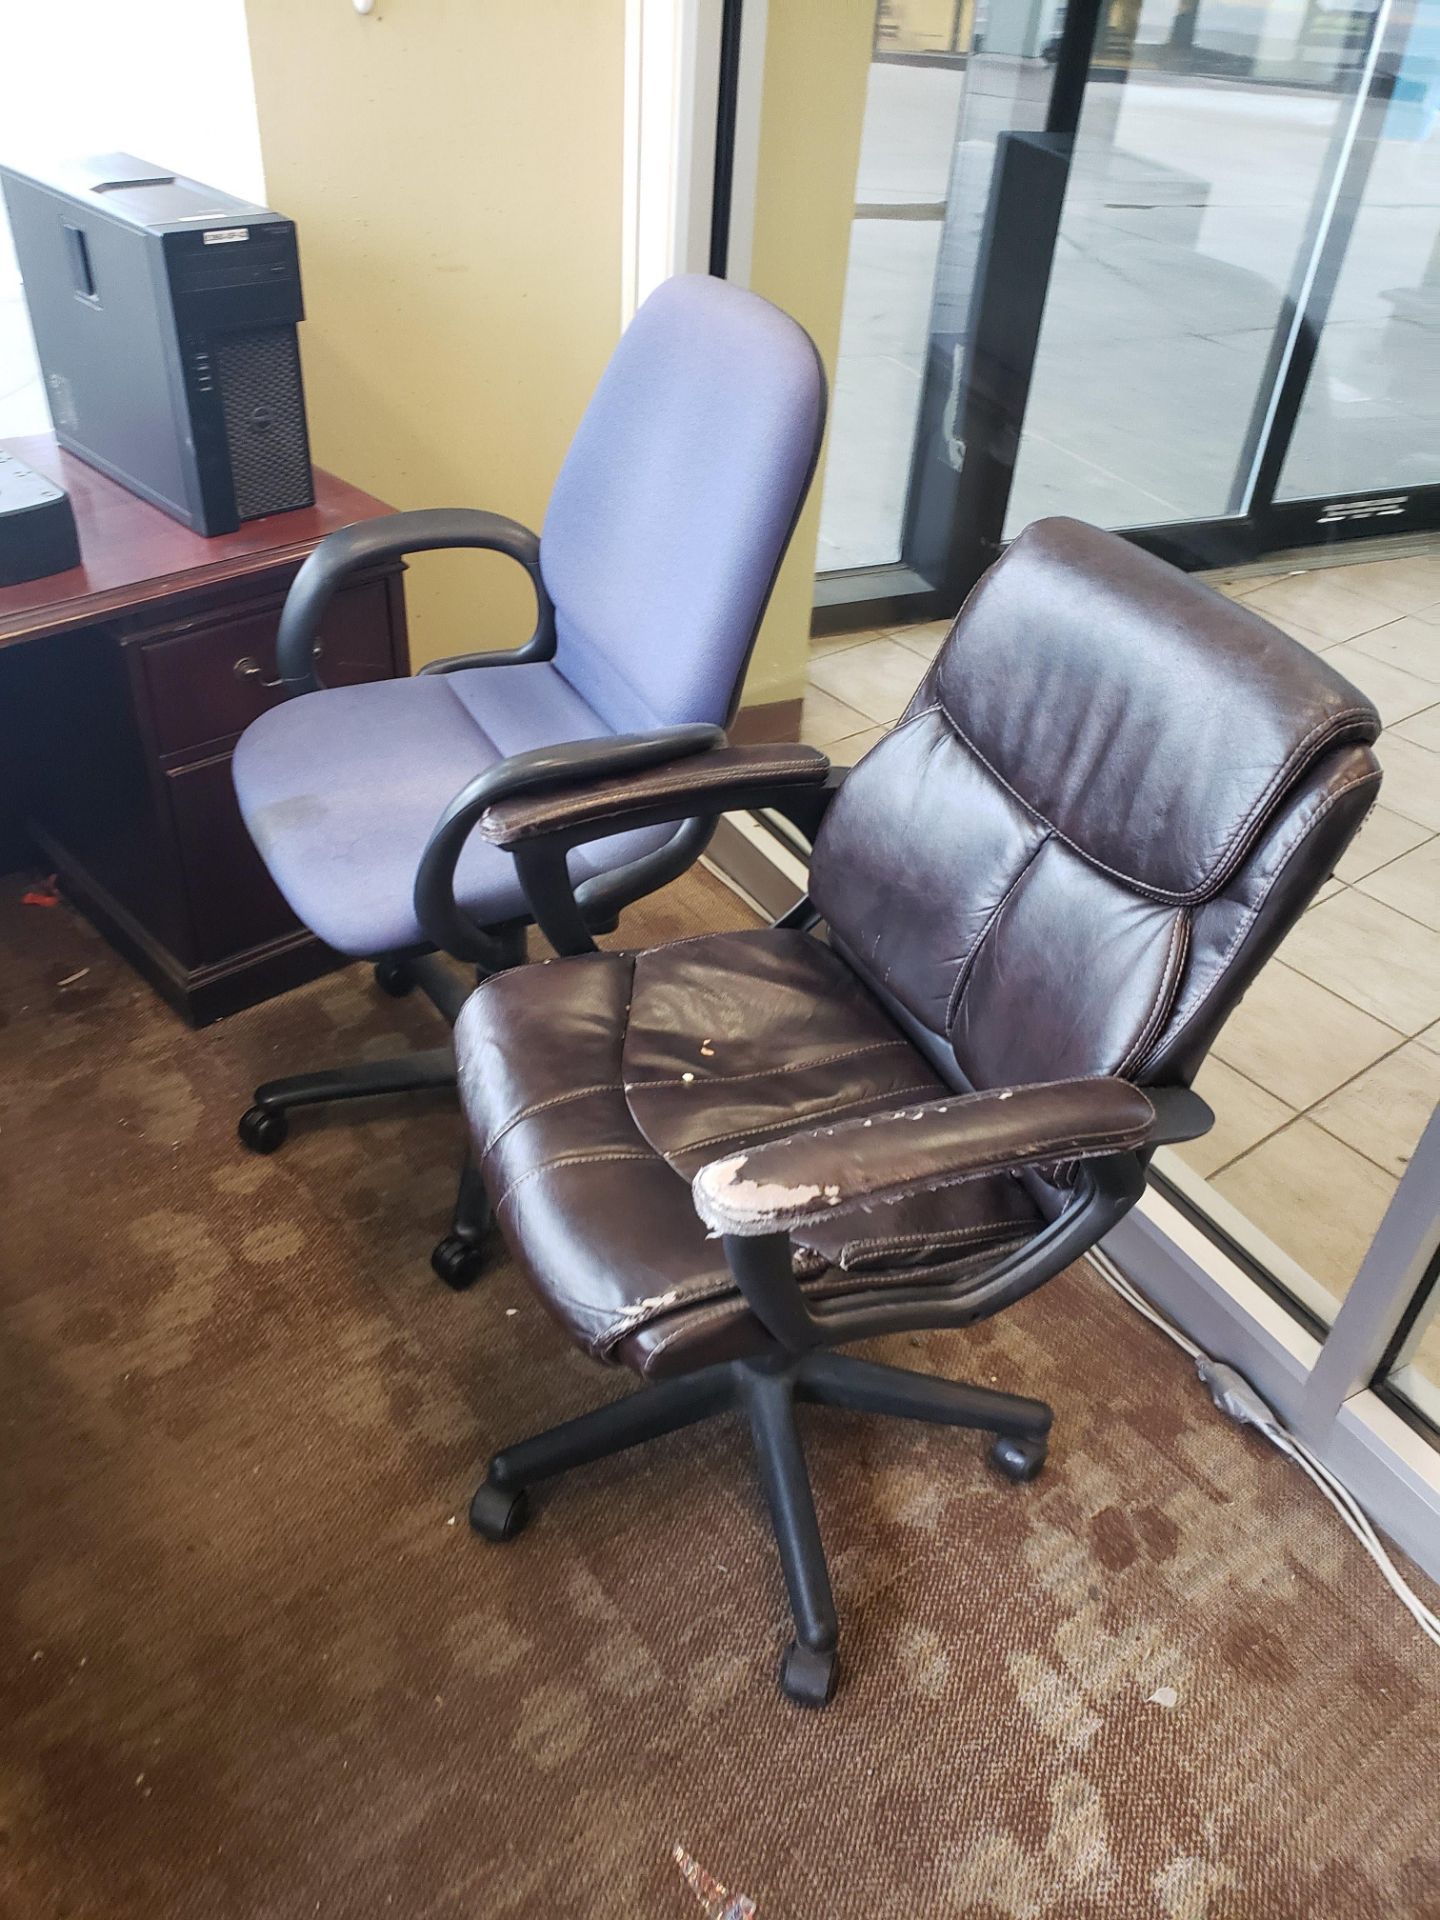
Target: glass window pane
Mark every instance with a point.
(1370, 417)
(911, 107)
(1204, 143)
(1415, 1374)
(1325, 1078)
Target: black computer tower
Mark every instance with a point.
(164, 316)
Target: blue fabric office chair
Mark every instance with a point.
(664, 533)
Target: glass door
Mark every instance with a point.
(1185, 284)
(1368, 422)
(1173, 268)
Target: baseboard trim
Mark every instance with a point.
(762, 725)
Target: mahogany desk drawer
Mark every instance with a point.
(234, 904)
(207, 684)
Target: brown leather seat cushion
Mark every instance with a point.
(596, 1087)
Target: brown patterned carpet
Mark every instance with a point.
(253, 1664)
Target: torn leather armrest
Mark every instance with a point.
(445, 922)
(792, 1182)
(370, 543)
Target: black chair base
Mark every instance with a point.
(767, 1390)
(264, 1127)
(459, 1258)
(396, 977)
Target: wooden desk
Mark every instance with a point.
(124, 684)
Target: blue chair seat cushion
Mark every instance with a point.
(342, 788)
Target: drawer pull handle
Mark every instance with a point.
(247, 667)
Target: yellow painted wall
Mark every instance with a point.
(455, 171)
(817, 59)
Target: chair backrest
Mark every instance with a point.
(676, 501)
(1113, 794)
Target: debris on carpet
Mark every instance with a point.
(718, 1902)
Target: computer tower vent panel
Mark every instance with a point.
(258, 374)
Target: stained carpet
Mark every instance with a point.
(252, 1662)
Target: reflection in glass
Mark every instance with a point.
(1207, 135)
(906, 145)
(1415, 1375)
(1370, 417)
(1235, 160)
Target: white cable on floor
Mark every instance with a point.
(1234, 1395)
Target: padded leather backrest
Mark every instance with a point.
(676, 501)
(1112, 795)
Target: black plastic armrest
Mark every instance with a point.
(351, 550)
(600, 801)
(540, 830)
(795, 1181)
(539, 805)
(445, 923)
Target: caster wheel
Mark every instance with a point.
(807, 1676)
(394, 977)
(459, 1263)
(498, 1513)
(263, 1129)
(1018, 1459)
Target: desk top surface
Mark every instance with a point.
(133, 556)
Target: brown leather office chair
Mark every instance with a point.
(1044, 891)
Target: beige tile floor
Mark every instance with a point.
(1324, 1078)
